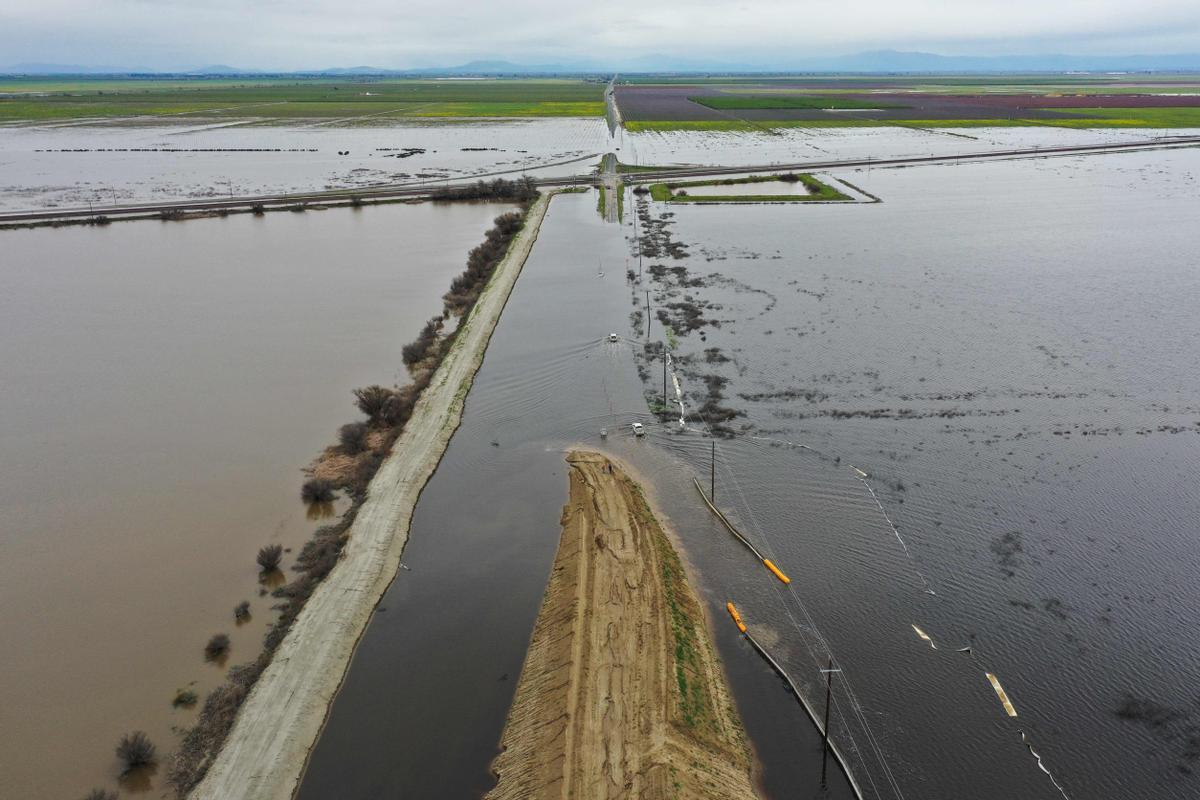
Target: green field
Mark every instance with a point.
(1087, 118)
(55, 99)
(667, 192)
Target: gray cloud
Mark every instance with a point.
(271, 34)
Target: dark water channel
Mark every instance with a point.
(424, 703)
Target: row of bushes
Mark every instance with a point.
(387, 411)
(522, 190)
(481, 263)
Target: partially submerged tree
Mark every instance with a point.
(217, 647)
(269, 557)
(135, 750)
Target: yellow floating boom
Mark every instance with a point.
(1008, 706)
(784, 578)
(737, 618)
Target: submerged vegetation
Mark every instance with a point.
(136, 750)
(387, 409)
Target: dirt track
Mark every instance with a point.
(621, 695)
(265, 753)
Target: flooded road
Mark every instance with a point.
(164, 384)
(424, 703)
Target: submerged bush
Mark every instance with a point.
(269, 557)
(184, 698)
(135, 750)
(241, 611)
(100, 794)
(217, 647)
(317, 490)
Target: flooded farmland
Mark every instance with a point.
(164, 384)
(104, 164)
(960, 419)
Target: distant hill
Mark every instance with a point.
(879, 61)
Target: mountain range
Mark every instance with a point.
(878, 61)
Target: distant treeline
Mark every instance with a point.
(522, 190)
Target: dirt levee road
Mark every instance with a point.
(278, 725)
(621, 695)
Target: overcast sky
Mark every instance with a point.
(294, 34)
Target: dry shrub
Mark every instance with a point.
(317, 490)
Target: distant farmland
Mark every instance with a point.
(924, 100)
(59, 99)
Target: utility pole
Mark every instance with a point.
(664, 347)
(828, 693)
(647, 313)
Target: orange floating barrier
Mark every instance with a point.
(784, 578)
(737, 618)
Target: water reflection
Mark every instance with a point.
(320, 510)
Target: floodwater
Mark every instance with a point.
(1011, 379)
(163, 385)
(76, 164)
(1004, 350)
(424, 703)
(784, 145)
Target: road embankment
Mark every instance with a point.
(621, 694)
(264, 755)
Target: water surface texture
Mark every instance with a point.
(76, 164)
(163, 385)
(1003, 349)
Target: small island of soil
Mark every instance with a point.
(621, 695)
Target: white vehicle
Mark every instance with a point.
(604, 433)
(639, 429)
(612, 337)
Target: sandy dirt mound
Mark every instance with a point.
(621, 695)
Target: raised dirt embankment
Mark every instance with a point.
(621, 695)
(265, 753)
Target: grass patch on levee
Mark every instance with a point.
(782, 101)
(818, 190)
(1128, 118)
(696, 704)
(39, 99)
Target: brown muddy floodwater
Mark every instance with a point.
(161, 387)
